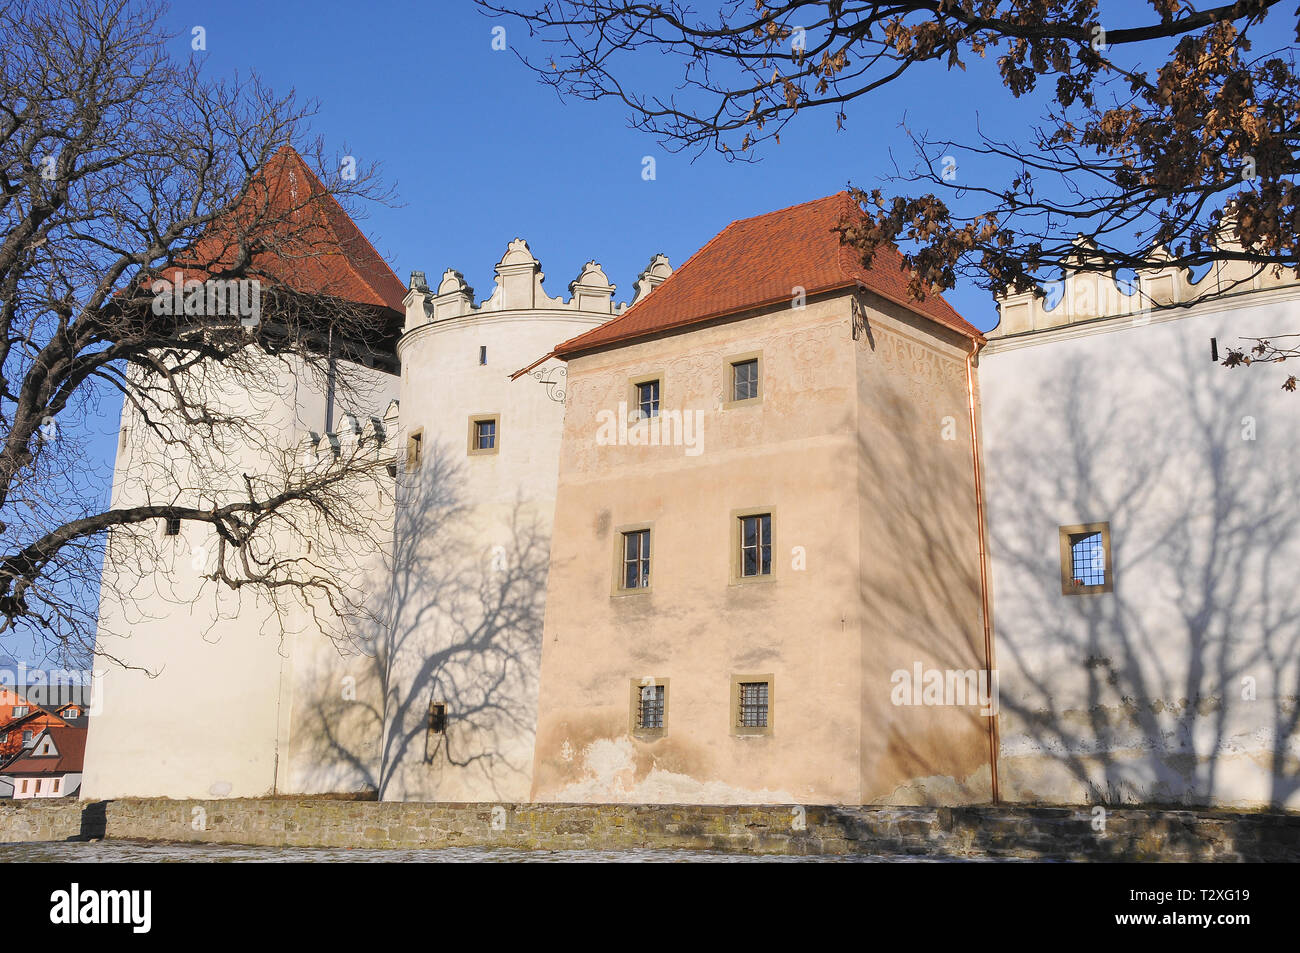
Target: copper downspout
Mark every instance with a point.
(983, 556)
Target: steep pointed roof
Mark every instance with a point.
(70, 742)
(758, 262)
(318, 249)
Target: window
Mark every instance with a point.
(56, 785)
(45, 748)
(27, 739)
(484, 436)
(752, 545)
(649, 706)
(415, 450)
(751, 704)
(647, 399)
(438, 717)
(172, 526)
(756, 545)
(19, 711)
(73, 713)
(743, 376)
(636, 559)
(482, 354)
(24, 791)
(1085, 559)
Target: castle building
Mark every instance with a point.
(766, 509)
(774, 531)
(1144, 532)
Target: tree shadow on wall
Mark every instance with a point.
(920, 589)
(464, 624)
(1179, 686)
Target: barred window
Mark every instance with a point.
(647, 399)
(636, 559)
(1086, 559)
(756, 545)
(173, 527)
(744, 380)
(650, 713)
(753, 705)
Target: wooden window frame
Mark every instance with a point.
(729, 379)
(736, 540)
(634, 395)
(620, 536)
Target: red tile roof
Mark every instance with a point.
(757, 262)
(326, 255)
(71, 744)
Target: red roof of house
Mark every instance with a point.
(326, 255)
(757, 262)
(71, 744)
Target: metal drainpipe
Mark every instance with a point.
(983, 557)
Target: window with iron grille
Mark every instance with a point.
(647, 399)
(636, 559)
(756, 545)
(744, 380)
(1086, 559)
(485, 434)
(650, 712)
(753, 705)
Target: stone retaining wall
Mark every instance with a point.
(1064, 833)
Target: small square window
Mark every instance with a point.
(636, 560)
(173, 526)
(647, 399)
(1085, 559)
(744, 380)
(751, 704)
(484, 434)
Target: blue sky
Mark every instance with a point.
(479, 152)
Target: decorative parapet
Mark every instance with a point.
(1089, 295)
(655, 274)
(518, 287)
(353, 433)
